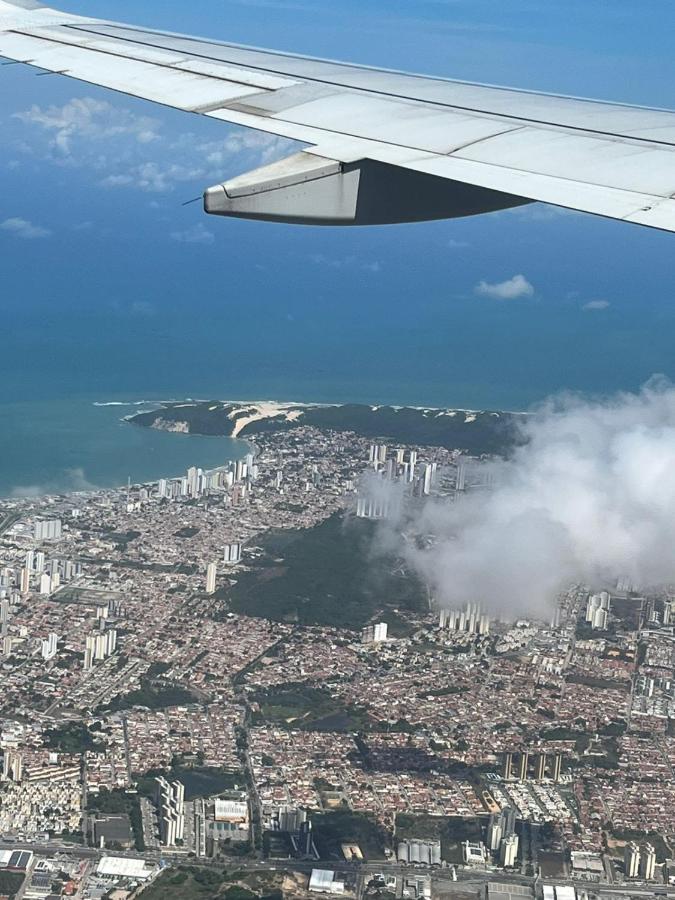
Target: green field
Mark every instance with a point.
(306, 707)
(449, 830)
(154, 695)
(334, 828)
(193, 883)
(10, 883)
(326, 575)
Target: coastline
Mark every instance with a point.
(79, 445)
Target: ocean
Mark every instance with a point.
(78, 444)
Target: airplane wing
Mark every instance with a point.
(383, 146)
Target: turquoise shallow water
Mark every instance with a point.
(71, 444)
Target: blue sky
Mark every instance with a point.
(110, 286)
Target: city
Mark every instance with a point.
(228, 684)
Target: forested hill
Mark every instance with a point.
(473, 432)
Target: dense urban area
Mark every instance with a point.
(227, 684)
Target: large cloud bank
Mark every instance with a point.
(589, 497)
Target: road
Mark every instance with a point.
(361, 871)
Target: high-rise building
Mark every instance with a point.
(290, 818)
(556, 767)
(211, 572)
(469, 620)
(49, 646)
(370, 508)
(99, 646)
(232, 554)
(508, 853)
(631, 860)
(494, 833)
(540, 767)
(428, 479)
(460, 483)
(25, 581)
(12, 768)
(522, 765)
(647, 862)
(45, 583)
(597, 610)
(171, 811)
(47, 529)
(374, 634)
(507, 766)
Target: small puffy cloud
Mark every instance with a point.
(458, 245)
(515, 287)
(596, 305)
(94, 120)
(124, 149)
(22, 228)
(347, 262)
(196, 235)
(142, 309)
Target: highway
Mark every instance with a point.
(362, 872)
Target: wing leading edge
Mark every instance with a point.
(383, 146)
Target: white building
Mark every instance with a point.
(48, 529)
(374, 634)
(49, 646)
(323, 881)
(647, 862)
(171, 811)
(211, 572)
(597, 610)
(508, 853)
(232, 554)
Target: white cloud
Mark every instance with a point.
(126, 150)
(142, 309)
(588, 497)
(596, 305)
(93, 120)
(198, 234)
(515, 287)
(347, 262)
(22, 228)
(458, 245)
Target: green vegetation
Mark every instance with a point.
(10, 883)
(329, 575)
(309, 708)
(487, 433)
(333, 829)
(154, 695)
(73, 737)
(449, 830)
(117, 802)
(193, 883)
(663, 851)
(186, 883)
(602, 684)
(199, 781)
(202, 781)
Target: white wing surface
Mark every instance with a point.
(382, 146)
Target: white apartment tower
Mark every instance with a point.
(171, 809)
(509, 851)
(211, 572)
